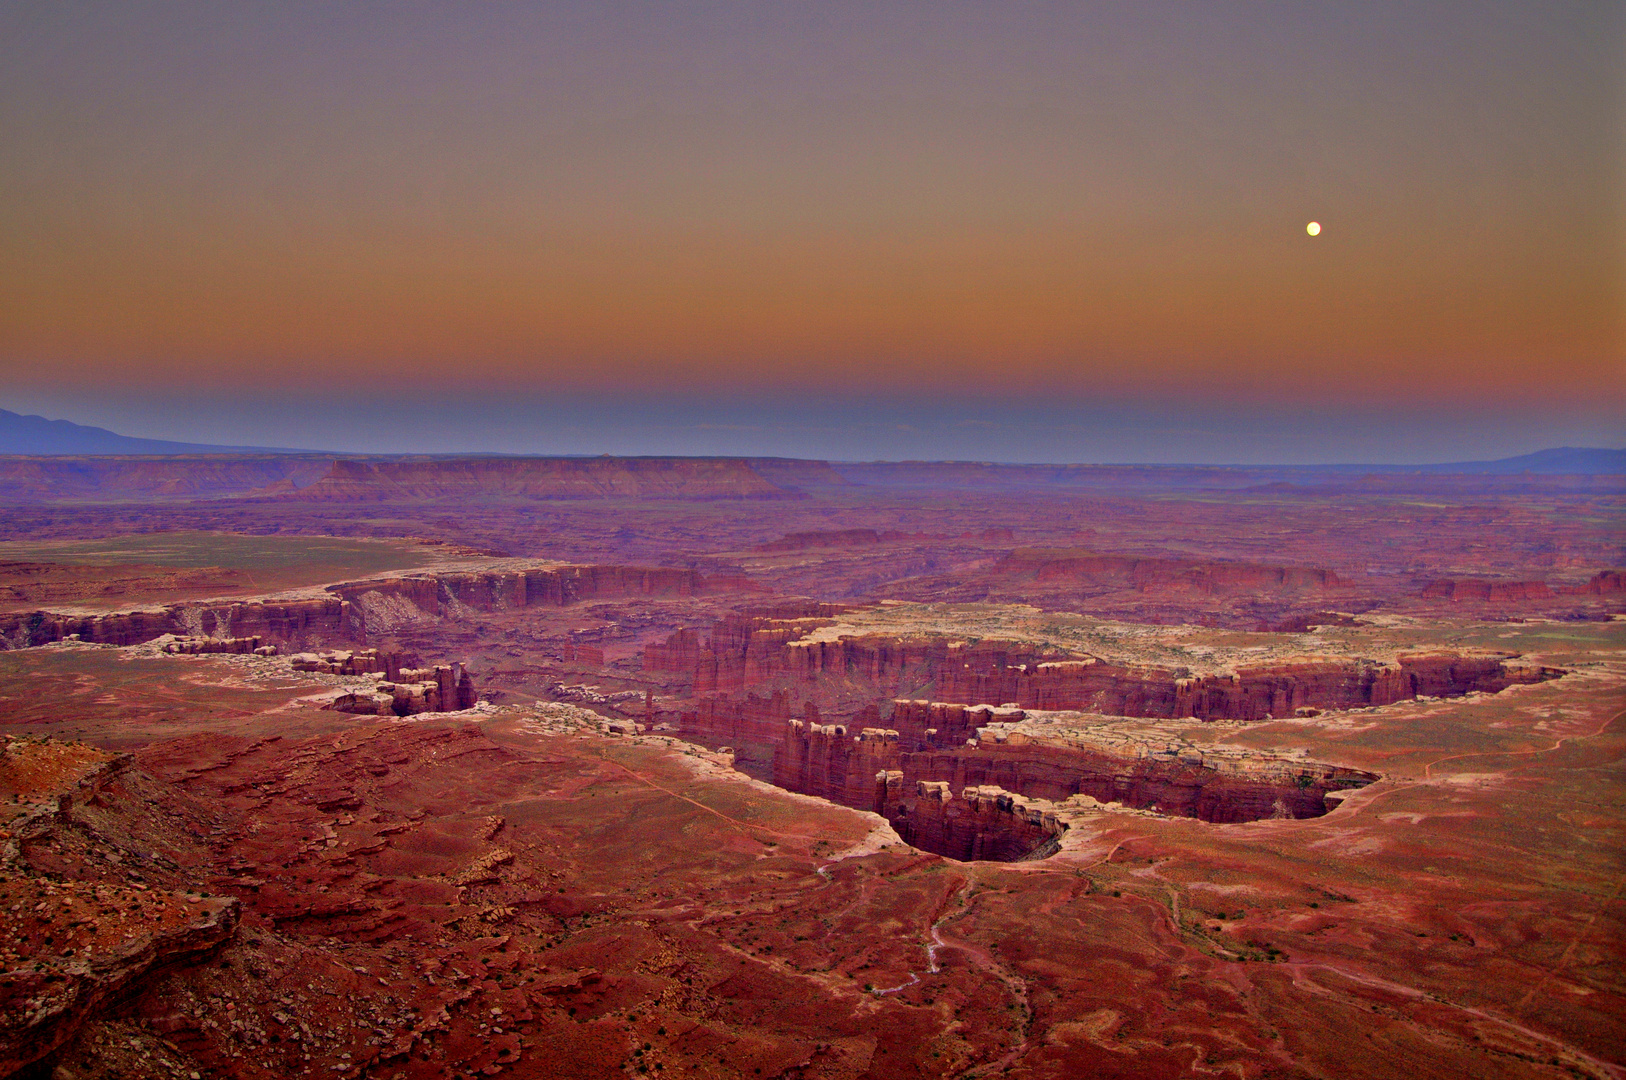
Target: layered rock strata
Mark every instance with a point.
(875, 769)
(228, 646)
(1052, 566)
(280, 621)
(354, 610)
(446, 688)
(73, 948)
(349, 662)
(1251, 693)
(981, 823)
(749, 651)
(541, 478)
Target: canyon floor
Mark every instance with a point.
(781, 769)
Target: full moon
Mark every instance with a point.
(1314, 228)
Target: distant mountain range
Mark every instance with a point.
(35, 435)
(1562, 460)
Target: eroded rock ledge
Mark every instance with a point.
(71, 947)
(357, 610)
(975, 800)
(748, 651)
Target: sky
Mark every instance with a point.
(1019, 231)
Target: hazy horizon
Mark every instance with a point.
(892, 431)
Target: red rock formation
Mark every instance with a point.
(230, 646)
(743, 650)
(272, 621)
(1043, 566)
(872, 769)
(747, 651)
(75, 947)
(982, 823)
(1179, 785)
(344, 616)
(446, 688)
(1606, 582)
(824, 760)
(155, 477)
(438, 593)
(750, 719)
(1486, 591)
(1274, 690)
(541, 478)
(350, 662)
(920, 723)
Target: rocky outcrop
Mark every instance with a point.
(1606, 583)
(541, 478)
(1181, 784)
(75, 947)
(446, 688)
(874, 769)
(753, 650)
(921, 724)
(1048, 566)
(326, 618)
(43, 1007)
(1485, 591)
(357, 609)
(1603, 583)
(751, 718)
(237, 646)
(441, 594)
(1254, 693)
(742, 650)
(147, 478)
(825, 760)
(981, 823)
(349, 662)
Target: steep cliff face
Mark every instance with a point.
(753, 718)
(921, 724)
(357, 609)
(1603, 583)
(1487, 590)
(541, 478)
(169, 476)
(874, 769)
(1178, 785)
(977, 823)
(742, 651)
(315, 620)
(76, 947)
(1087, 568)
(1257, 693)
(1606, 583)
(824, 760)
(446, 688)
(438, 593)
(751, 651)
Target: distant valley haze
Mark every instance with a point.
(36, 435)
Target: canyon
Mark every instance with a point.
(741, 767)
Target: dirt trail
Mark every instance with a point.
(1601, 1067)
(1557, 745)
